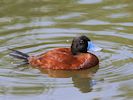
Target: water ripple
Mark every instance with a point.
(43, 25)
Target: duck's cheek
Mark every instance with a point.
(93, 47)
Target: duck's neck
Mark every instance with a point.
(73, 50)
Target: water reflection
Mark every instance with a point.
(82, 79)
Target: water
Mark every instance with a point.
(35, 26)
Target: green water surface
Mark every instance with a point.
(36, 26)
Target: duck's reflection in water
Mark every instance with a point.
(82, 79)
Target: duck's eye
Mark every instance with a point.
(81, 42)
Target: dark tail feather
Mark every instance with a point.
(19, 55)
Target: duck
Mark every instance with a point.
(77, 56)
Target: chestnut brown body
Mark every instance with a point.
(62, 58)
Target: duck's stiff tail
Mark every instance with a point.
(20, 55)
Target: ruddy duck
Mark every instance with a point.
(75, 57)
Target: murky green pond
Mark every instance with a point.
(36, 26)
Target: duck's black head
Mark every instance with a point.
(79, 45)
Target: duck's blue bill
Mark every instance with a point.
(93, 47)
